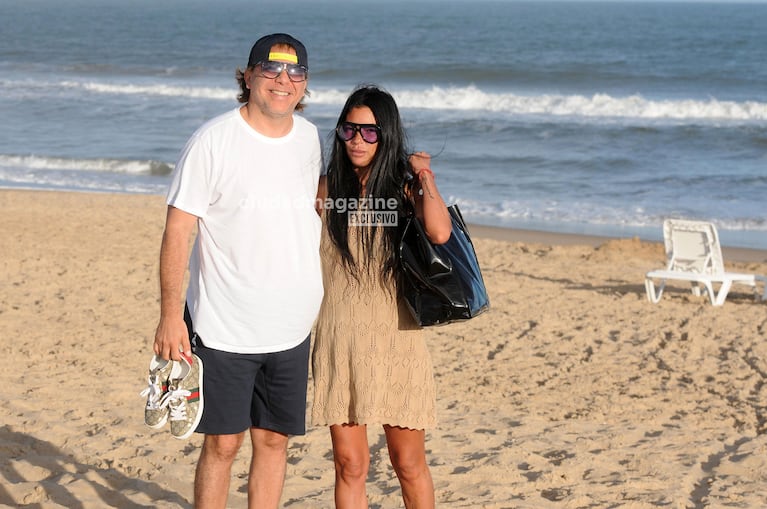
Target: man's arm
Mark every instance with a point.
(322, 193)
(171, 336)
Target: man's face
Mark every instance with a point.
(275, 97)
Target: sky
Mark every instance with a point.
(644, 1)
(657, 1)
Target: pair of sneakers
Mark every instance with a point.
(174, 392)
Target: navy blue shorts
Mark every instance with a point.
(265, 390)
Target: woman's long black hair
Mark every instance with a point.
(389, 172)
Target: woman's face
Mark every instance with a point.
(360, 152)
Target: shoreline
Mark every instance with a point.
(502, 233)
(734, 254)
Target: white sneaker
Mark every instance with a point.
(184, 399)
(156, 409)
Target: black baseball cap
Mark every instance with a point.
(260, 52)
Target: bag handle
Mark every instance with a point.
(408, 204)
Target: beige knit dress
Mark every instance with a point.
(370, 363)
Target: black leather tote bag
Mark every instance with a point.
(441, 283)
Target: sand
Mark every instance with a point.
(573, 391)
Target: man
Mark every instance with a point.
(247, 181)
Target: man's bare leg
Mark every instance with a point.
(214, 470)
(267, 468)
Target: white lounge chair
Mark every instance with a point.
(694, 255)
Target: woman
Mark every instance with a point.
(370, 361)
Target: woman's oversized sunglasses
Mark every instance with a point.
(369, 132)
(271, 69)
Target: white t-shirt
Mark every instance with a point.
(255, 280)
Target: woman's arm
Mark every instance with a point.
(429, 205)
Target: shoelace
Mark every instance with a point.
(153, 394)
(176, 400)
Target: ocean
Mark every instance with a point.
(578, 117)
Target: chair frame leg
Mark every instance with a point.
(724, 289)
(652, 296)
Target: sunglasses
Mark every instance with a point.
(271, 69)
(369, 132)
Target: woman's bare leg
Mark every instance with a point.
(351, 456)
(407, 451)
